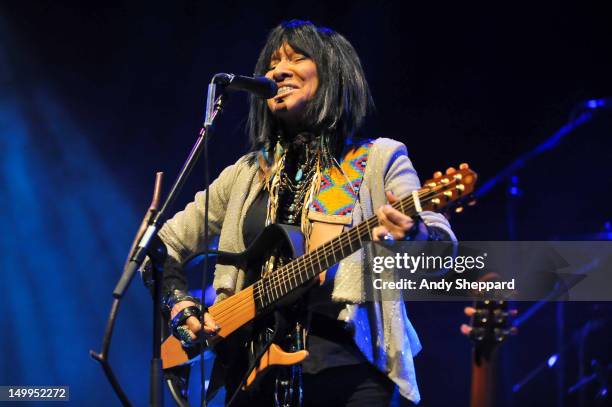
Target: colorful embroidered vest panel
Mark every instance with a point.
(340, 188)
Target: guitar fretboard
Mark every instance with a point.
(303, 269)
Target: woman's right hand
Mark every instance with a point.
(210, 328)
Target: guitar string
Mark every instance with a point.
(289, 273)
(308, 261)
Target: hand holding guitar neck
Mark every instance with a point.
(393, 224)
(193, 325)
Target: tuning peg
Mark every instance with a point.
(475, 334)
(437, 174)
(469, 311)
(450, 171)
(472, 202)
(463, 166)
(466, 329)
(459, 209)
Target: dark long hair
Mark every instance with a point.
(342, 99)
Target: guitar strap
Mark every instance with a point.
(331, 210)
(340, 187)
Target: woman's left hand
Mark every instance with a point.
(392, 222)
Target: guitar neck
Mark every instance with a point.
(305, 268)
(484, 379)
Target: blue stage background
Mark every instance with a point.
(95, 99)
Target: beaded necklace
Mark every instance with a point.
(293, 190)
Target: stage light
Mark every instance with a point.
(552, 360)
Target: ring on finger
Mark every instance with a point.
(184, 334)
(388, 237)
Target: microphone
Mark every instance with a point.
(259, 86)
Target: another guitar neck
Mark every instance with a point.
(484, 378)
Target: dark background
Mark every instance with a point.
(94, 99)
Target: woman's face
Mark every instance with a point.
(297, 80)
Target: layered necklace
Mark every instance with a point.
(295, 182)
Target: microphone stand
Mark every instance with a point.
(149, 244)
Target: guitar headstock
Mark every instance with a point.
(449, 189)
(489, 324)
